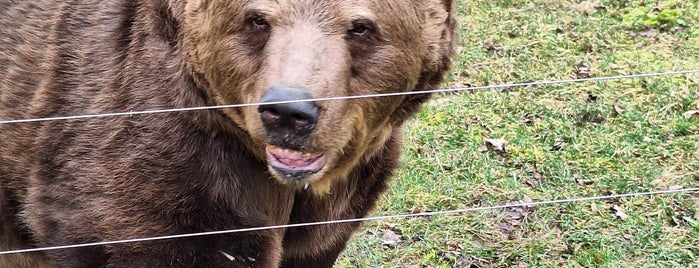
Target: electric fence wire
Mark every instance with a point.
(378, 95)
(375, 218)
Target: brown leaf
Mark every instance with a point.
(489, 46)
(533, 183)
(619, 212)
(497, 145)
(586, 182)
(515, 216)
(587, 7)
(416, 209)
(558, 146)
(390, 238)
(582, 180)
(583, 70)
(468, 261)
(534, 170)
(477, 244)
(675, 187)
(454, 247)
(692, 114)
(657, 182)
(648, 33)
(528, 120)
(617, 108)
(506, 227)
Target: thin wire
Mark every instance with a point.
(376, 218)
(228, 106)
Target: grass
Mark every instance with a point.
(570, 140)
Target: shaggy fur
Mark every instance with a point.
(77, 181)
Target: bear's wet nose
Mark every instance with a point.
(290, 122)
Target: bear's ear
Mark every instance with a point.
(440, 38)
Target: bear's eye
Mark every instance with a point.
(361, 29)
(258, 23)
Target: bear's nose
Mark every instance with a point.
(291, 122)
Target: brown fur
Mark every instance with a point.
(76, 181)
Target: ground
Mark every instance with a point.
(570, 140)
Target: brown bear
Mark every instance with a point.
(84, 180)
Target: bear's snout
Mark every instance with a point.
(288, 124)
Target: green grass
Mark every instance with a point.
(570, 140)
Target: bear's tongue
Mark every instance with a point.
(292, 159)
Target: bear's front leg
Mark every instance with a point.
(316, 246)
(234, 250)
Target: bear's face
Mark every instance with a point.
(285, 50)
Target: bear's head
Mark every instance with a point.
(281, 51)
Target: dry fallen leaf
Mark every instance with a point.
(648, 33)
(617, 108)
(534, 170)
(583, 70)
(529, 119)
(466, 261)
(587, 7)
(506, 227)
(496, 145)
(692, 114)
(533, 183)
(558, 146)
(515, 216)
(675, 187)
(582, 180)
(390, 238)
(619, 212)
(489, 46)
(657, 182)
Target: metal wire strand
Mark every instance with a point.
(376, 218)
(445, 90)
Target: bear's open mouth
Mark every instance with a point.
(295, 164)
